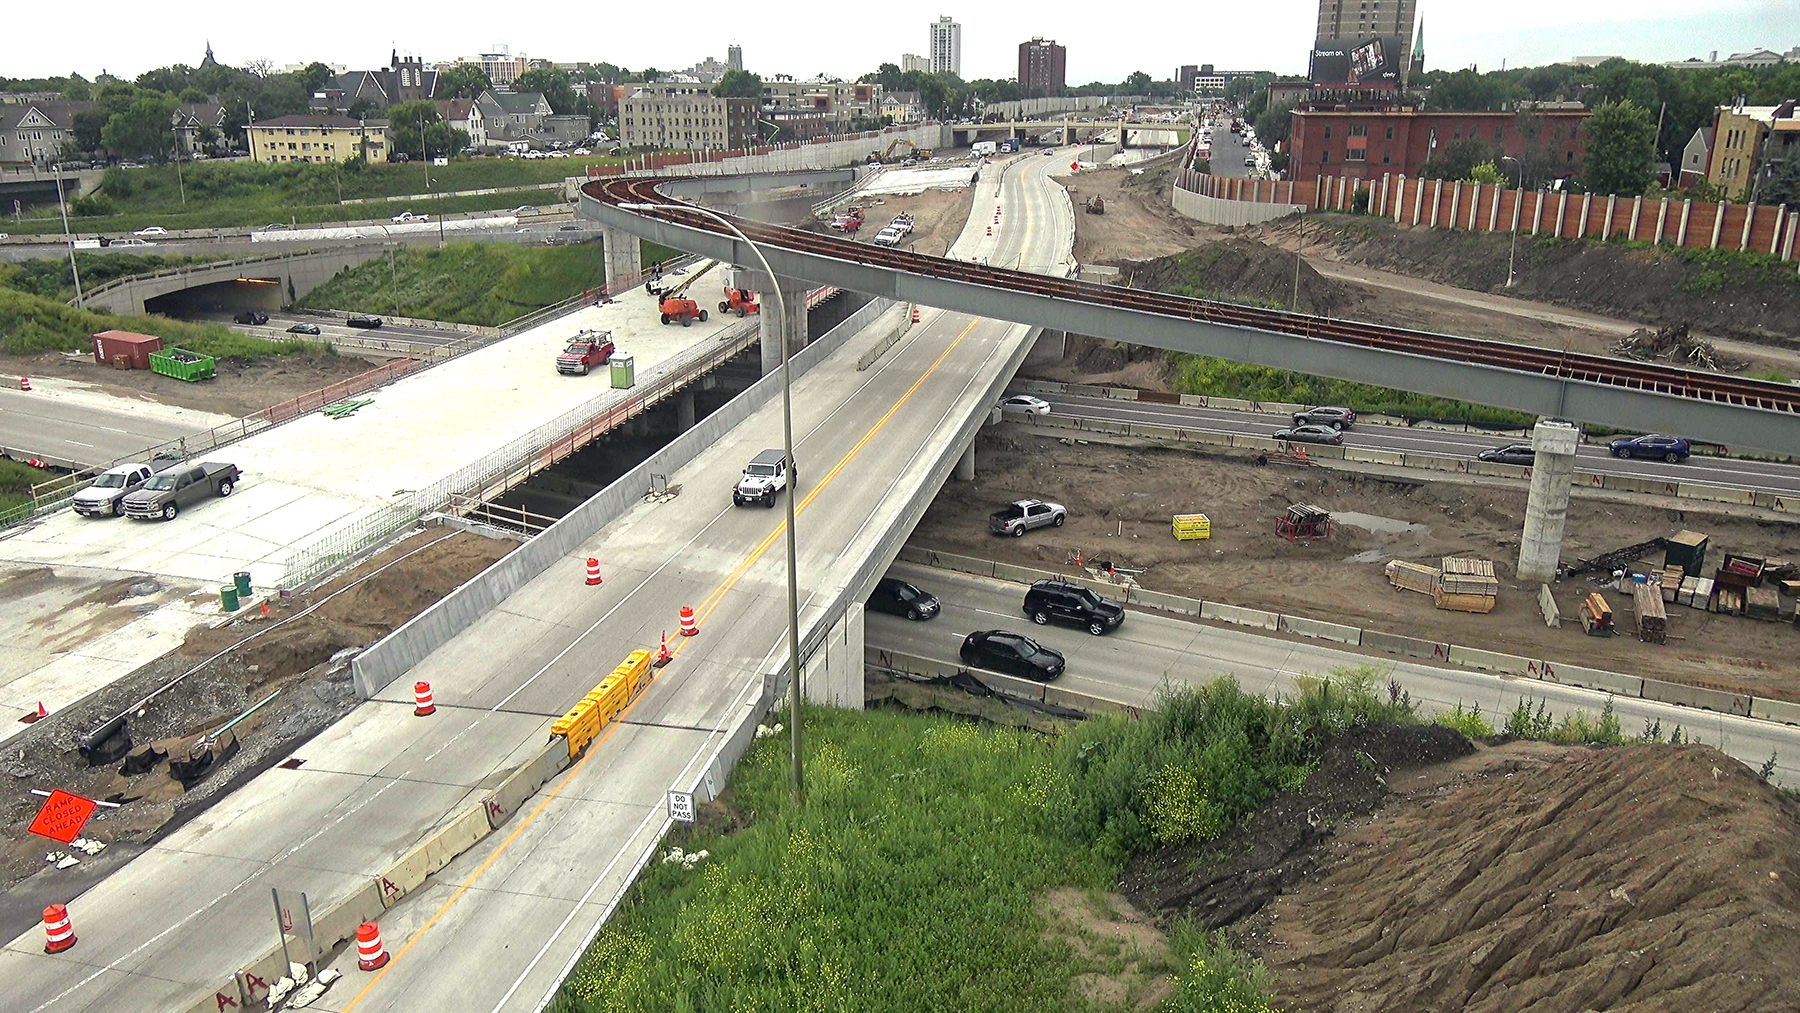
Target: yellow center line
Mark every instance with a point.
(711, 603)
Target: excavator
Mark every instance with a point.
(913, 151)
(673, 301)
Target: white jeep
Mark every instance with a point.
(764, 476)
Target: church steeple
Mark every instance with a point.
(1418, 51)
(208, 60)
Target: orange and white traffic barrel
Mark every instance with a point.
(59, 934)
(370, 954)
(689, 626)
(422, 703)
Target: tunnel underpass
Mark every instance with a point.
(265, 294)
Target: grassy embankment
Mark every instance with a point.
(16, 480)
(470, 283)
(35, 315)
(246, 195)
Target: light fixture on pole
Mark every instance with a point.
(787, 445)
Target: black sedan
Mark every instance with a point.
(1669, 448)
(251, 317)
(1013, 654)
(364, 321)
(897, 597)
(1310, 434)
(1512, 453)
(1326, 415)
(312, 329)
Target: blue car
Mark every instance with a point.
(1669, 448)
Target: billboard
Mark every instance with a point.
(1357, 62)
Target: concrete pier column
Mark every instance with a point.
(624, 258)
(685, 411)
(965, 465)
(792, 323)
(1547, 509)
(833, 675)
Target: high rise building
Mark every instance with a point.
(946, 47)
(1041, 66)
(1370, 19)
(1184, 77)
(913, 61)
(734, 57)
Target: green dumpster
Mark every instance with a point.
(183, 364)
(228, 597)
(624, 372)
(242, 578)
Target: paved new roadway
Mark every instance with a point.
(66, 423)
(1758, 476)
(1130, 664)
(495, 930)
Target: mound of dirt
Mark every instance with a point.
(1241, 269)
(1217, 883)
(1632, 879)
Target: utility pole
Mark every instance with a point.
(74, 272)
(394, 277)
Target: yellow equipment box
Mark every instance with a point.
(1189, 527)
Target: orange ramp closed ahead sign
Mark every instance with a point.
(63, 816)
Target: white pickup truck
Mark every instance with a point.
(105, 497)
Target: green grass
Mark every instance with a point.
(31, 323)
(470, 283)
(910, 879)
(1196, 374)
(16, 480)
(50, 277)
(239, 216)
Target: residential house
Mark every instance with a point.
(465, 115)
(406, 79)
(1747, 139)
(514, 114)
(686, 115)
(1696, 157)
(903, 106)
(199, 129)
(34, 132)
(567, 128)
(315, 137)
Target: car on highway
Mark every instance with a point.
(129, 242)
(1026, 403)
(105, 496)
(274, 227)
(1250, 161)
(1326, 415)
(255, 317)
(1013, 654)
(408, 216)
(898, 598)
(312, 329)
(568, 228)
(1055, 601)
(364, 321)
(1022, 515)
(1049, 151)
(4, 236)
(1669, 448)
(1512, 453)
(521, 209)
(1310, 434)
(764, 476)
(151, 230)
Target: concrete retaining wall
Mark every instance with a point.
(1589, 678)
(1321, 630)
(1215, 211)
(1490, 661)
(524, 782)
(1696, 696)
(1241, 616)
(1775, 710)
(399, 651)
(895, 329)
(1407, 646)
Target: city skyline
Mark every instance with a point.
(1275, 37)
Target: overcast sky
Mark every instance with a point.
(1104, 44)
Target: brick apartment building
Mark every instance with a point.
(1042, 66)
(1365, 144)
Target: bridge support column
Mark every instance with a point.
(833, 675)
(624, 258)
(790, 323)
(965, 465)
(1547, 509)
(684, 411)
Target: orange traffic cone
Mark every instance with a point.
(370, 954)
(689, 626)
(59, 934)
(265, 608)
(663, 656)
(42, 713)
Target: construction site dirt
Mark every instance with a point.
(241, 387)
(307, 660)
(1121, 500)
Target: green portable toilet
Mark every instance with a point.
(624, 371)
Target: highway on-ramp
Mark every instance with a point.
(65, 424)
(1131, 663)
(495, 930)
(1735, 473)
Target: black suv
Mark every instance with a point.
(1012, 653)
(364, 321)
(251, 317)
(1326, 415)
(897, 597)
(1049, 601)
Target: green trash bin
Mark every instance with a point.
(624, 372)
(228, 597)
(242, 577)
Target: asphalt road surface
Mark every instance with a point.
(237, 242)
(1228, 151)
(1130, 663)
(496, 928)
(332, 327)
(1757, 476)
(63, 431)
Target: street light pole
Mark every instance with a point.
(1520, 195)
(74, 272)
(787, 445)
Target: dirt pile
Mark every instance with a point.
(1138, 222)
(1244, 270)
(1633, 879)
(307, 660)
(1730, 296)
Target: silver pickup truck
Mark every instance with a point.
(1022, 515)
(169, 490)
(105, 497)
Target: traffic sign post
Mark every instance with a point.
(62, 816)
(293, 918)
(681, 806)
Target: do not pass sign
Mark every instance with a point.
(63, 816)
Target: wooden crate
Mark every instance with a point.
(1413, 576)
(1463, 602)
(1652, 620)
(1469, 576)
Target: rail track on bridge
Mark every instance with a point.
(1669, 380)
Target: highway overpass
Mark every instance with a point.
(1071, 131)
(267, 282)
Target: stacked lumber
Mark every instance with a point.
(1731, 599)
(1762, 603)
(1596, 615)
(1413, 576)
(1671, 578)
(1652, 620)
(1466, 585)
